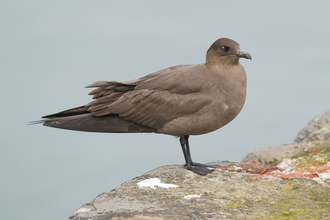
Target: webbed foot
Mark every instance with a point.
(201, 169)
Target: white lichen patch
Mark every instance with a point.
(286, 163)
(318, 180)
(237, 168)
(288, 170)
(324, 176)
(83, 209)
(154, 182)
(192, 196)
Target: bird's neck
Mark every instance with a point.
(220, 62)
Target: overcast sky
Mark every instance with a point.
(50, 50)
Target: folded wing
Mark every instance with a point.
(142, 105)
(154, 99)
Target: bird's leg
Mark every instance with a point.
(195, 167)
(188, 151)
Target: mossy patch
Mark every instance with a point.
(300, 201)
(296, 198)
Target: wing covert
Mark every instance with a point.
(154, 99)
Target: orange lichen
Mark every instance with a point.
(261, 171)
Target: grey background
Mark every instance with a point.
(50, 50)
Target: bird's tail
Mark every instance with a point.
(80, 119)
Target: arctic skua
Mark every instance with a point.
(181, 101)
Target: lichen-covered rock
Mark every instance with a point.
(249, 190)
(219, 195)
(315, 135)
(274, 155)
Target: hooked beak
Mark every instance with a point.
(244, 55)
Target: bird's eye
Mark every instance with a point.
(224, 48)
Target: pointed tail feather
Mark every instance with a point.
(74, 111)
(87, 122)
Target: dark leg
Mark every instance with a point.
(188, 151)
(195, 167)
(188, 148)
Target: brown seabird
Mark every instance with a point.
(180, 101)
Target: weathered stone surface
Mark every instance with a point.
(219, 195)
(315, 135)
(320, 123)
(264, 193)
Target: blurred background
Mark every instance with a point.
(50, 50)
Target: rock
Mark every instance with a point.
(274, 155)
(297, 188)
(219, 195)
(318, 123)
(315, 135)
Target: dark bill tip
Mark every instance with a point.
(243, 54)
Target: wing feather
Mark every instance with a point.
(155, 99)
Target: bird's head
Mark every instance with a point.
(225, 51)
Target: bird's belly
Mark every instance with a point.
(207, 120)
